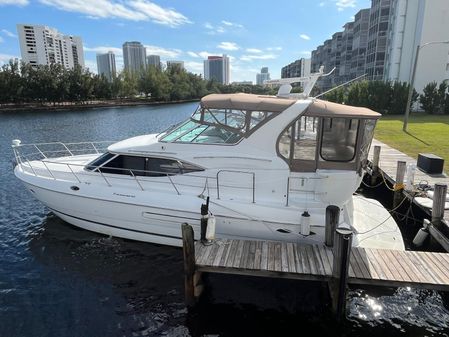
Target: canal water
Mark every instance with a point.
(57, 280)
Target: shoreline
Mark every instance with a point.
(92, 105)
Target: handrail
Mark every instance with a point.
(242, 172)
(302, 183)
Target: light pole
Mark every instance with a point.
(412, 80)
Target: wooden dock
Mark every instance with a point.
(379, 267)
(390, 164)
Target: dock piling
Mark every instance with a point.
(399, 185)
(188, 248)
(375, 164)
(332, 218)
(340, 270)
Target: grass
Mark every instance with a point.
(425, 134)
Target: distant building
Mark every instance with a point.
(359, 43)
(298, 68)
(217, 68)
(179, 64)
(154, 60)
(42, 45)
(347, 37)
(134, 56)
(264, 75)
(106, 65)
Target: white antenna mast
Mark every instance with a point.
(285, 88)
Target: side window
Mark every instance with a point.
(123, 165)
(158, 167)
(306, 138)
(339, 136)
(284, 143)
(94, 164)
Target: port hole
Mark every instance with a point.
(74, 188)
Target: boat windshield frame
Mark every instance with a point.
(229, 125)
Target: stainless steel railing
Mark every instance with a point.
(303, 180)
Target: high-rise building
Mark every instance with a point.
(298, 68)
(217, 68)
(154, 60)
(359, 43)
(42, 45)
(413, 24)
(106, 65)
(178, 64)
(264, 75)
(346, 52)
(134, 56)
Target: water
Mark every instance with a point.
(57, 280)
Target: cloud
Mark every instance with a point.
(134, 10)
(253, 50)
(19, 3)
(343, 4)
(228, 46)
(231, 24)
(163, 52)
(8, 33)
(194, 67)
(258, 57)
(321, 4)
(274, 48)
(304, 37)
(4, 58)
(91, 65)
(104, 50)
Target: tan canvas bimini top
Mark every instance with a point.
(319, 108)
(246, 102)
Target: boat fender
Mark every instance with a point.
(305, 223)
(210, 231)
(422, 234)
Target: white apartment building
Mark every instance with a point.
(42, 45)
(106, 65)
(416, 23)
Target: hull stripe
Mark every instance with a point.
(117, 227)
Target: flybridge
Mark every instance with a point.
(309, 83)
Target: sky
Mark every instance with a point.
(253, 33)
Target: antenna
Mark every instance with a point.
(285, 88)
(338, 86)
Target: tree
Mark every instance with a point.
(429, 98)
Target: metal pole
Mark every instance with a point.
(410, 90)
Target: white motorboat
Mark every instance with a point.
(263, 161)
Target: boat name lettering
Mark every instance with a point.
(124, 195)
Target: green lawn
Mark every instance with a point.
(426, 134)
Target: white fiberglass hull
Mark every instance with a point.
(156, 217)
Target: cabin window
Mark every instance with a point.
(217, 126)
(143, 166)
(105, 157)
(306, 138)
(338, 140)
(366, 140)
(285, 143)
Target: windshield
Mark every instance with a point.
(217, 126)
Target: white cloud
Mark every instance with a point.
(4, 58)
(231, 24)
(134, 10)
(163, 52)
(104, 50)
(304, 37)
(352, 18)
(192, 54)
(258, 57)
(14, 2)
(274, 48)
(343, 4)
(321, 4)
(228, 46)
(8, 33)
(194, 67)
(91, 65)
(205, 54)
(208, 25)
(253, 50)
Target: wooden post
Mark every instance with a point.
(188, 249)
(439, 201)
(337, 286)
(376, 157)
(399, 185)
(332, 218)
